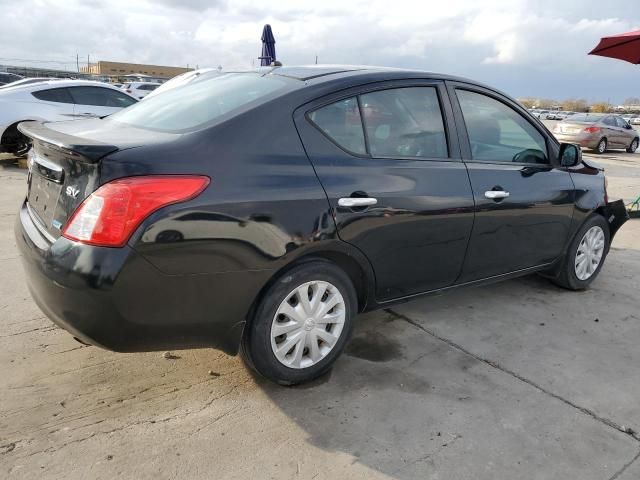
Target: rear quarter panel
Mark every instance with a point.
(263, 205)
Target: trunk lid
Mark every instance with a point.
(572, 127)
(66, 162)
(63, 171)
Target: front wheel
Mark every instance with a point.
(633, 147)
(301, 325)
(585, 255)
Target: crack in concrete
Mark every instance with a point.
(625, 467)
(48, 328)
(454, 438)
(610, 423)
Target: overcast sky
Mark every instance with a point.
(524, 47)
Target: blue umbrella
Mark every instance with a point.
(268, 46)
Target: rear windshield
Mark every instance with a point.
(584, 117)
(200, 103)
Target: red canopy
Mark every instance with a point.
(625, 46)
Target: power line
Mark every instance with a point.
(60, 62)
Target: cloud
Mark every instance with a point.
(526, 47)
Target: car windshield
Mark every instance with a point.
(201, 103)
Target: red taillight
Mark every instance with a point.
(109, 216)
(592, 129)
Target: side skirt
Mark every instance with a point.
(474, 283)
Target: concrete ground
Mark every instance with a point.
(515, 380)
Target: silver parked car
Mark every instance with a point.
(597, 132)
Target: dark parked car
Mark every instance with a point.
(262, 211)
(6, 78)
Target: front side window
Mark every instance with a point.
(95, 96)
(119, 99)
(404, 122)
(57, 95)
(498, 133)
(341, 122)
(621, 122)
(100, 97)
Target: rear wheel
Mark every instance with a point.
(301, 325)
(602, 146)
(15, 142)
(585, 255)
(633, 147)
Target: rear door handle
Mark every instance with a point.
(495, 194)
(357, 202)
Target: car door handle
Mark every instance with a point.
(496, 194)
(357, 202)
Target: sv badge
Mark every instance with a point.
(72, 191)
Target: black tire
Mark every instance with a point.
(15, 142)
(633, 147)
(256, 349)
(567, 277)
(601, 147)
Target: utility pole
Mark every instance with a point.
(88, 65)
(316, 59)
(78, 62)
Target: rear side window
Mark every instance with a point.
(498, 133)
(200, 103)
(404, 122)
(57, 95)
(341, 122)
(100, 97)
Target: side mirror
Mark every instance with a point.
(628, 126)
(570, 155)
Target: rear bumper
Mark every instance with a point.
(113, 298)
(585, 141)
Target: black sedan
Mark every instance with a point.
(262, 211)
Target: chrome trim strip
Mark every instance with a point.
(48, 164)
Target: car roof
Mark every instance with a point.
(34, 87)
(74, 83)
(320, 73)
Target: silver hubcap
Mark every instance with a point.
(589, 253)
(602, 146)
(307, 324)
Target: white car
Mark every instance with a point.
(54, 101)
(140, 89)
(26, 81)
